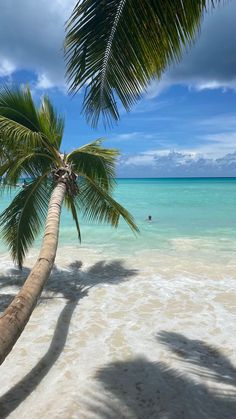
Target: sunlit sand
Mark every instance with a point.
(124, 338)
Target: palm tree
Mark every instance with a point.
(82, 179)
(116, 47)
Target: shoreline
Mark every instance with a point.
(189, 258)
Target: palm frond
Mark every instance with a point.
(115, 47)
(70, 204)
(17, 135)
(30, 165)
(95, 162)
(51, 124)
(17, 105)
(23, 125)
(98, 205)
(21, 221)
(5, 166)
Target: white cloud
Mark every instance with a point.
(126, 136)
(176, 164)
(6, 67)
(220, 122)
(141, 159)
(130, 136)
(44, 82)
(150, 158)
(156, 87)
(215, 84)
(215, 145)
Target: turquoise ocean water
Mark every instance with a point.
(189, 215)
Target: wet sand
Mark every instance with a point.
(148, 336)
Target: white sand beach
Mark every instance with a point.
(148, 336)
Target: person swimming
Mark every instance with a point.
(149, 219)
(24, 184)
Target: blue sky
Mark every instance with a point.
(185, 124)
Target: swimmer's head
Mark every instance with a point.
(149, 218)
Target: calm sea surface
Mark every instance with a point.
(188, 214)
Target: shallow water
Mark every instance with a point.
(198, 210)
(133, 327)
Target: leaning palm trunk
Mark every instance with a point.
(17, 314)
(30, 140)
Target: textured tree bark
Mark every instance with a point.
(17, 314)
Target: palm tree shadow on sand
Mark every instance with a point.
(73, 285)
(140, 389)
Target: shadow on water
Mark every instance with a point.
(140, 389)
(73, 284)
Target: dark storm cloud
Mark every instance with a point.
(31, 38)
(211, 61)
(213, 56)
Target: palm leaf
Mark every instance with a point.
(18, 105)
(23, 125)
(118, 46)
(98, 205)
(5, 166)
(95, 162)
(17, 135)
(22, 219)
(32, 165)
(51, 124)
